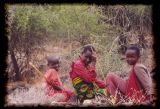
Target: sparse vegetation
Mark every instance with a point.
(37, 31)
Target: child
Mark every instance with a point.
(138, 87)
(53, 82)
(83, 74)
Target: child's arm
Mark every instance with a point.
(144, 78)
(52, 79)
(82, 72)
(94, 59)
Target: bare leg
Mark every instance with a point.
(115, 82)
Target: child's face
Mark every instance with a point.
(87, 57)
(131, 57)
(55, 66)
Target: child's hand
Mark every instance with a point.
(149, 101)
(146, 103)
(94, 57)
(57, 88)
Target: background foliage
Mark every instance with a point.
(37, 31)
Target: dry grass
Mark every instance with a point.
(35, 95)
(107, 61)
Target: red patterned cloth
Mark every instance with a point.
(88, 73)
(52, 79)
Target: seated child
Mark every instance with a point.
(138, 86)
(83, 75)
(53, 83)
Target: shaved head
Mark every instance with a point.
(53, 59)
(54, 62)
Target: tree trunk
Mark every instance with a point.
(15, 65)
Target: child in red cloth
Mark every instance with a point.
(53, 83)
(138, 87)
(83, 74)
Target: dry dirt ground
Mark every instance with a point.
(35, 95)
